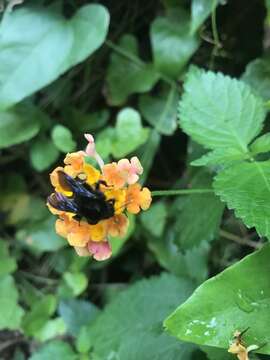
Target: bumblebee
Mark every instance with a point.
(87, 202)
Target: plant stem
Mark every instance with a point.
(181, 192)
(240, 240)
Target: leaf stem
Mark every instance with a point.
(240, 240)
(181, 192)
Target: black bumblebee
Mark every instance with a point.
(86, 202)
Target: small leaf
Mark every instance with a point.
(154, 219)
(54, 47)
(161, 111)
(202, 319)
(43, 154)
(77, 313)
(261, 144)
(127, 74)
(18, 125)
(62, 138)
(133, 322)
(10, 312)
(172, 43)
(257, 75)
(51, 329)
(84, 341)
(246, 188)
(199, 215)
(200, 10)
(220, 112)
(129, 133)
(77, 282)
(54, 350)
(7, 263)
(35, 319)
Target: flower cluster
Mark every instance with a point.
(92, 203)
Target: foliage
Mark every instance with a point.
(184, 86)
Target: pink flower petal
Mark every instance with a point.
(101, 250)
(91, 150)
(136, 165)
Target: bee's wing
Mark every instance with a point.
(62, 203)
(69, 184)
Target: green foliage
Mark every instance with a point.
(246, 299)
(43, 154)
(139, 335)
(55, 350)
(54, 46)
(200, 10)
(62, 139)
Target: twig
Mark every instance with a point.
(239, 240)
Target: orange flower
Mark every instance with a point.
(90, 203)
(137, 198)
(117, 225)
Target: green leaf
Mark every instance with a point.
(127, 74)
(261, 144)
(76, 314)
(62, 138)
(7, 263)
(54, 350)
(84, 341)
(219, 157)
(199, 215)
(118, 242)
(81, 122)
(10, 312)
(154, 219)
(54, 46)
(18, 125)
(200, 10)
(51, 329)
(43, 154)
(161, 111)
(77, 282)
(220, 112)
(41, 236)
(257, 75)
(217, 354)
(129, 133)
(245, 188)
(130, 327)
(35, 319)
(172, 43)
(211, 315)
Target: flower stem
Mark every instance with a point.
(181, 192)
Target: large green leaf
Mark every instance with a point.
(127, 74)
(199, 215)
(18, 125)
(161, 111)
(172, 43)
(257, 75)
(236, 299)
(130, 327)
(29, 60)
(43, 154)
(10, 312)
(220, 112)
(246, 188)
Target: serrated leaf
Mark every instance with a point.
(18, 125)
(220, 112)
(257, 75)
(54, 46)
(172, 43)
(129, 133)
(199, 215)
(219, 157)
(161, 111)
(245, 188)
(62, 139)
(127, 74)
(43, 154)
(133, 322)
(76, 314)
(54, 350)
(204, 320)
(7, 263)
(200, 10)
(261, 144)
(10, 312)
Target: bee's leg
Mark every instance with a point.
(101, 182)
